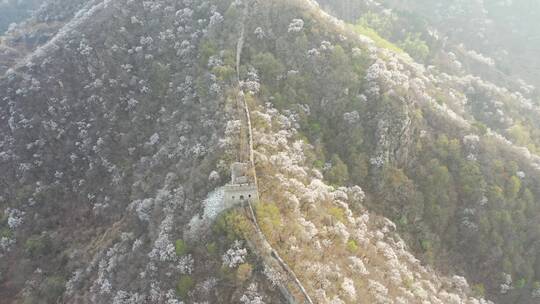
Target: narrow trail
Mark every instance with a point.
(269, 255)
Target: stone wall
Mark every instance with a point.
(236, 194)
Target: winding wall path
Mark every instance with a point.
(269, 255)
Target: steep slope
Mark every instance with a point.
(27, 35)
(431, 186)
(505, 31)
(12, 11)
(110, 132)
(342, 253)
(445, 41)
(117, 134)
(502, 34)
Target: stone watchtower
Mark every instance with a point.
(242, 188)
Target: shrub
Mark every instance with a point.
(224, 73)
(512, 187)
(479, 290)
(6, 232)
(180, 247)
(318, 164)
(37, 245)
(206, 50)
(269, 66)
(233, 224)
(379, 41)
(226, 273)
(337, 213)
(269, 218)
(184, 286)
(520, 134)
(338, 174)
(426, 245)
(211, 248)
(314, 129)
(521, 283)
(415, 47)
(352, 246)
(243, 273)
(480, 128)
(52, 288)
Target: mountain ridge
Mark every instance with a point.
(131, 118)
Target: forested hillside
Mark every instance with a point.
(505, 33)
(441, 184)
(396, 158)
(13, 11)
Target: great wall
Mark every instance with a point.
(243, 192)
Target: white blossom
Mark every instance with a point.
(5, 244)
(235, 256)
(259, 33)
(84, 49)
(460, 282)
(296, 26)
(481, 58)
(252, 83)
(377, 161)
(536, 293)
(275, 277)
(351, 117)
(326, 46)
(313, 53)
(144, 209)
(506, 286)
(154, 139)
(377, 289)
(356, 52)
(123, 297)
(215, 19)
(146, 41)
(348, 287)
(15, 218)
(214, 176)
(163, 249)
(185, 264)
(471, 139)
(252, 296)
(358, 266)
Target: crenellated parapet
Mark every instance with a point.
(241, 189)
